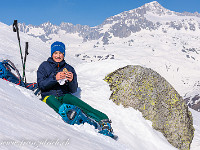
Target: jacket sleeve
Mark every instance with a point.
(73, 85)
(44, 80)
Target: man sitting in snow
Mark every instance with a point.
(57, 80)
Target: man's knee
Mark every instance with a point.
(53, 102)
(49, 98)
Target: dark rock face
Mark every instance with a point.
(193, 102)
(145, 90)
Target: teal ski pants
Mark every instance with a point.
(55, 103)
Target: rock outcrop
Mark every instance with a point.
(145, 90)
(193, 101)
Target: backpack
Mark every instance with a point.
(10, 73)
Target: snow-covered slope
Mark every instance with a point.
(28, 123)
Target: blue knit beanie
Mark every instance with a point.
(58, 46)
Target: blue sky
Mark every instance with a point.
(84, 12)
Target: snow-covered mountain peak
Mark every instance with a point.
(47, 24)
(152, 7)
(65, 23)
(156, 8)
(153, 3)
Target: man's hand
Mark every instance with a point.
(61, 75)
(70, 76)
(64, 75)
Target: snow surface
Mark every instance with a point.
(27, 123)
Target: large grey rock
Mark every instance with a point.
(145, 90)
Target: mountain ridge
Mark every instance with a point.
(121, 25)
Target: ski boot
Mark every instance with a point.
(106, 128)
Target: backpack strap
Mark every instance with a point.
(3, 71)
(9, 64)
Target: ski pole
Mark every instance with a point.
(24, 66)
(16, 29)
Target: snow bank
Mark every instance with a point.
(27, 123)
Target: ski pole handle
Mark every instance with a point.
(15, 27)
